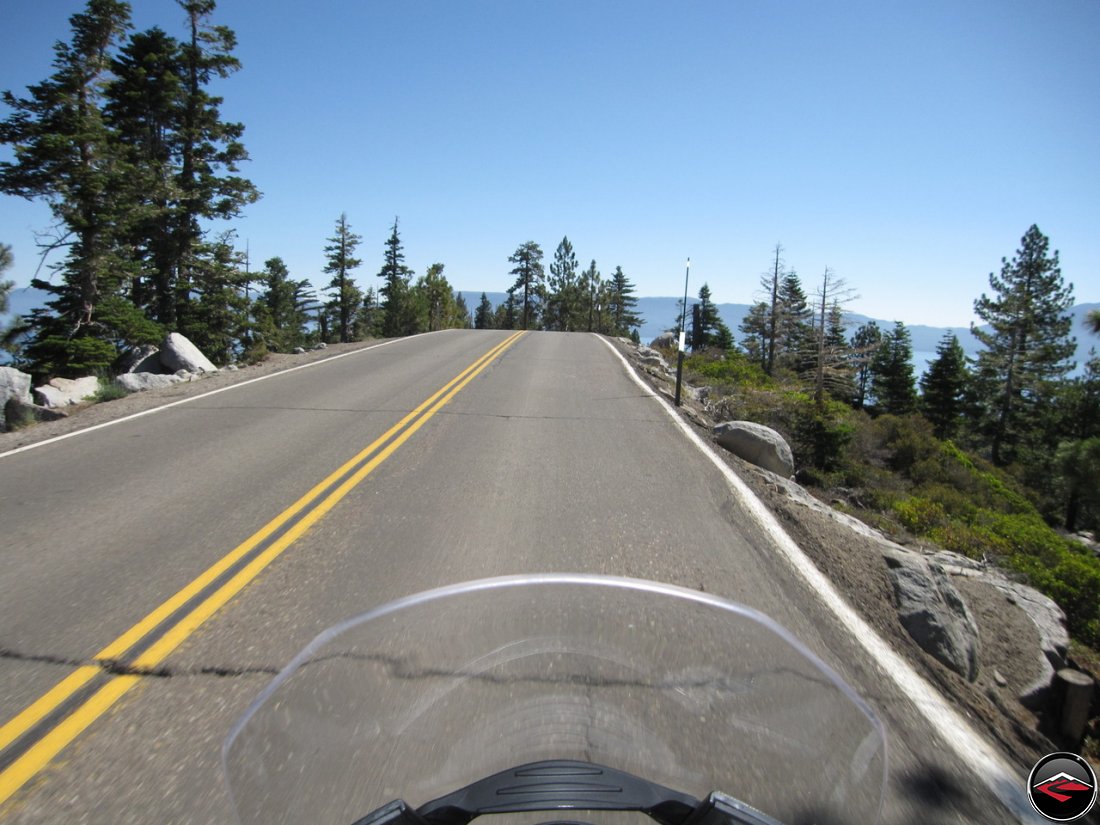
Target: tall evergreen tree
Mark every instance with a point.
(943, 387)
(865, 344)
(144, 108)
(398, 309)
(562, 289)
(341, 260)
(755, 328)
(794, 336)
(892, 380)
(461, 317)
(64, 154)
(215, 318)
(586, 313)
(708, 330)
(1028, 345)
(437, 300)
(281, 309)
(483, 316)
(622, 304)
(529, 280)
(210, 149)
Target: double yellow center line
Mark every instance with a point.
(32, 739)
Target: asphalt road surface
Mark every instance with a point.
(158, 573)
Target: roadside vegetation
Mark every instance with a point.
(997, 459)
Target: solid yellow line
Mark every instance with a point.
(38, 711)
(39, 755)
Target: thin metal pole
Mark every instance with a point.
(683, 323)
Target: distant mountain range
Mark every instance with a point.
(660, 313)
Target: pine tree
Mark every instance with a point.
(794, 337)
(435, 296)
(215, 317)
(483, 317)
(281, 308)
(210, 150)
(865, 344)
(892, 379)
(1028, 346)
(64, 154)
(754, 328)
(943, 387)
(562, 289)
(708, 330)
(529, 280)
(346, 297)
(505, 315)
(143, 107)
(461, 317)
(622, 305)
(773, 309)
(398, 309)
(586, 311)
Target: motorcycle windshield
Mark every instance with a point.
(428, 694)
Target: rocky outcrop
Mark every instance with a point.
(14, 385)
(758, 445)
(652, 358)
(66, 392)
(933, 613)
(178, 353)
(1045, 614)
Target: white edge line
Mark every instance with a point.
(953, 730)
(152, 410)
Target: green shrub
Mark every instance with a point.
(108, 391)
(919, 515)
(724, 371)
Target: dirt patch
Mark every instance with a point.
(91, 414)
(853, 561)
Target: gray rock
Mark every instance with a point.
(933, 613)
(299, 350)
(178, 353)
(1044, 613)
(66, 392)
(666, 340)
(139, 381)
(758, 445)
(651, 357)
(232, 367)
(13, 385)
(144, 358)
(321, 345)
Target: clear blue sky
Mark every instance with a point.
(907, 146)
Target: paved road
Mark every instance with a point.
(549, 458)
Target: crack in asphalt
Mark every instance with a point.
(116, 667)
